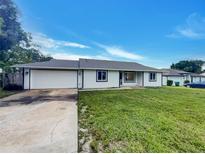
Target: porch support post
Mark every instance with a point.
(119, 79)
(29, 79)
(161, 79)
(82, 78)
(23, 77)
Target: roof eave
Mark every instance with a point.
(113, 69)
(40, 67)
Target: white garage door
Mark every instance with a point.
(43, 79)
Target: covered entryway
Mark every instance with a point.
(46, 79)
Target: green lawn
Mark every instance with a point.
(143, 120)
(4, 93)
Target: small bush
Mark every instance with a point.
(169, 82)
(186, 81)
(177, 84)
(13, 87)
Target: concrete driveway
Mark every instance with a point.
(39, 121)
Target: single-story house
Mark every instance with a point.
(88, 73)
(180, 76)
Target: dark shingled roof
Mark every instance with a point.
(53, 63)
(173, 72)
(88, 64)
(114, 65)
(197, 75)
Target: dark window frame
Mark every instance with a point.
(151, 75)
(133, 81)
(97, 76)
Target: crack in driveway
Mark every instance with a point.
(53, 130)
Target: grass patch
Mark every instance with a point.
(4, 93)
(144, 120)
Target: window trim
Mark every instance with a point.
(153, 80)
(101, 71)
(133, 81)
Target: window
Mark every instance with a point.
(129, 76)
(152, 77)
(101, 76)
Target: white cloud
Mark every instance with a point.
(189, 33)
(58, 49)
(68, 55)
(71, 56)
(72, 44)
(194, 28)
(119, 52)
(47, 43)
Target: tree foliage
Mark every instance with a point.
(11, 31)
(194, 66)
(15, 44)
(19, 55)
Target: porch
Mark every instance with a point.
(131, 79)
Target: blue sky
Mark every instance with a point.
(152, 32)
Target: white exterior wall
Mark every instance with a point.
(26, 78)
(182, 79)
(80, 81)
(202, 79)
(195, 79)
(203, 67)
(89, 78)
(157, 83)
(177, 79)
(188, 77)
(140, 78)
(164, 80)
(43, 79)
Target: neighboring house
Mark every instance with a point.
(88, 73)
(203, 68)
(180, 76)
(197, 77)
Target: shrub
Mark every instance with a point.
(13, 87)
(177, 84)
(169, 82)
(186, 81)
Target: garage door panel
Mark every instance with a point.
(43, 79)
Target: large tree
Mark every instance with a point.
(194, 66)
(11, 31)
(15, 44)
